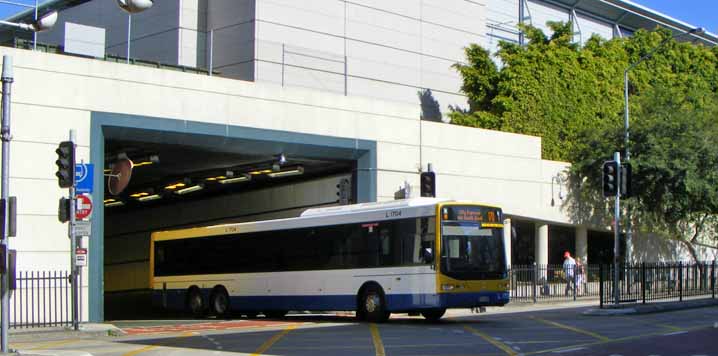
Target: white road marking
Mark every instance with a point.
(569, 350)
(675, 333)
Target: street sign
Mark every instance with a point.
(83, 228)
(80, 257)
(83, 177)
(84, 206)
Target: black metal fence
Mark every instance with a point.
(41, 299)
(647, 282)
(535, 283)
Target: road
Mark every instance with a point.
(546, 332)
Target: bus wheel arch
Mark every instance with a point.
(219, 303)
(433, 315)
(195, 301)
(371, 303)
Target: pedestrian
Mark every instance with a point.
(580, 275)
(569, 266)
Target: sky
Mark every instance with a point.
(699, 13)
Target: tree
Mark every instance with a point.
(572, 97)
(674, 157)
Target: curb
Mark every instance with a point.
(654, 308)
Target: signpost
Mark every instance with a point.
(84, 207)
(83, 177)
(80, 257)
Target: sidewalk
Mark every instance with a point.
(43, 340)
(656, 307)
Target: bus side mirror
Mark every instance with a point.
(427, 255)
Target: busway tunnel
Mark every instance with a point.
(181, 180)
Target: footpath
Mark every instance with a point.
(51, 338)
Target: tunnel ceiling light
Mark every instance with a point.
(241, 178)
(214, 179)
(139, 195)
(175, 186)
(260, 171)
(190, 189)
(113, 202)
(286, 173)
(149, 197)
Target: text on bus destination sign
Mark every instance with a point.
(471, 214)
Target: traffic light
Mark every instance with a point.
(65, 164)
(610, 178)
(427, 184)
(625, 182)
(63, 210)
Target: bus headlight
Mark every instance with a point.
(446, 287)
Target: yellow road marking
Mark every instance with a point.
(376, 339)
(150, 347)
(267, 344)
(54, 343)
(648, 322)
(574, 329)
(505, 348)
(627, 338)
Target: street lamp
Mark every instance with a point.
(133, 7)
(695, 31)
(42, 24)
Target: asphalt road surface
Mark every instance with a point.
(548, 332)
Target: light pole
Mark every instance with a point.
(627, 158)
(133, 7)
(40, 24)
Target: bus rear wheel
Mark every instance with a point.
(372, 306)
(195, 302)
(219, 302)
(433, 315)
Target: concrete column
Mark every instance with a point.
(582, 244)
(507, 241)
(541, 244)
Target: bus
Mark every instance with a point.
(416, 256)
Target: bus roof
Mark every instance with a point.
(362, 207)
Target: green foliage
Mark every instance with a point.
(572, 97)
(555, 89)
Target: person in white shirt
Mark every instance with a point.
(569, 267)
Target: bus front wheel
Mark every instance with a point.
(433, 315)
(372, 305)
(195, 302)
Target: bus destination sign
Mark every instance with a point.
(471, 214)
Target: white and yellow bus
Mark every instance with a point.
(419, 255)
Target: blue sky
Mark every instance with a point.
(700, 13)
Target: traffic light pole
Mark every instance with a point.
(616, 219)
(7, 79)
(73, 248)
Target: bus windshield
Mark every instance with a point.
(469, 251)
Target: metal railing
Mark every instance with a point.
(646, 282)
(41, 299)
(536, 283)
